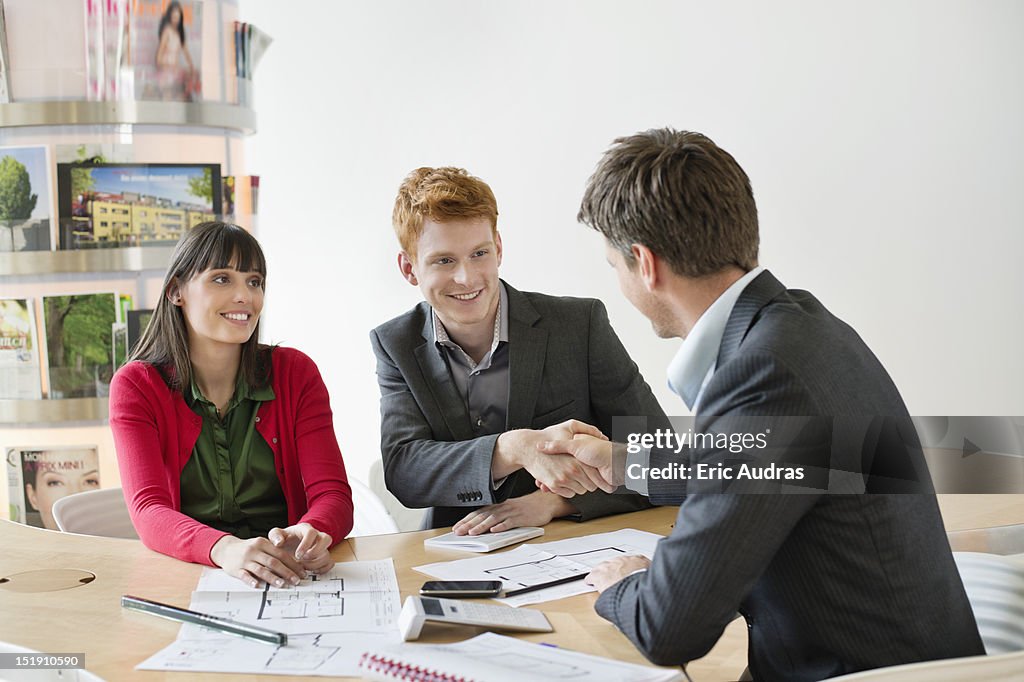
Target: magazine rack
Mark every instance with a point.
(47, 112)
(46, 71)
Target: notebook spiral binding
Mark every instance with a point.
(385, 668)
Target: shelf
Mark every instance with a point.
(127, 259)
(61, 113)
(16, 412)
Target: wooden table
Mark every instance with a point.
(89, 618)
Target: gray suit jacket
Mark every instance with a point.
(565, 362)
(828, 583)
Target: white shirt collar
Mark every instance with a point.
(694, 363)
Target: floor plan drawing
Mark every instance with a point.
(301, 605)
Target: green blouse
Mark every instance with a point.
(229, 482)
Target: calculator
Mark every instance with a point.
(420, 610)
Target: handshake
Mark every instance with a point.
(568, 459)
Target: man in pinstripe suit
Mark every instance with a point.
(828, 583)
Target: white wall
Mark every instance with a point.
(884, 141)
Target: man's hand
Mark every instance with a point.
(562, 474)
(308, 545)
(257, 561)
(535, 509)
(596, 453)
(612, 571)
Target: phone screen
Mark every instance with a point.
(454, 588)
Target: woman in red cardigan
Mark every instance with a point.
(226, 447)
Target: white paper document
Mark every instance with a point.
(330, 620)
(497, 658)
(534, 564)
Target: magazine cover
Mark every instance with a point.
(166, 37)
(137, 321)
(78, 344)
(38, 477)
(119, 344)
(20, 378)
(103, 205)
(119, 77)
(124, 304)
(5, 64)
(94, 49)
(25, 198)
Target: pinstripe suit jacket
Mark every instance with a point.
(565, 362)
(828, 583)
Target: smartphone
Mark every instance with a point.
(461, 588)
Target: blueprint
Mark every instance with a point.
(356, 595)
(330, 620)
(532, 564)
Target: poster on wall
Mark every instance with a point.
(25, 199)
(104, 205)
(167, 49)
(20, 377)
(38, 477)
(79, 358)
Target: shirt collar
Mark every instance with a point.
(694, 363)
(500, 334)
(242, 392)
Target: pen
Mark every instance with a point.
(204, 619)
(550, 583)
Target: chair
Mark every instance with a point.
(370, 516)
(407, 519)
(95, 512)
(995, 589)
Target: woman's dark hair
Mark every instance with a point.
(164, 343)
(165, 20)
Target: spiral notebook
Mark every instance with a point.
(497, 658)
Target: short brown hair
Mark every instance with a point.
(439, 194)
(678, 194)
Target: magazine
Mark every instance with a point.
(5, 63)
(166, 43)
(26, 204)
(20, 378)
(78, 344)
(137, 321)
(119, 344)
(94, 49)
(104, 205)
(38, 477)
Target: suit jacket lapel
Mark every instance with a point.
(757, 294)
(439, 379)
(527, 349)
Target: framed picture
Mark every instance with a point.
(103, 205)
(26, 199)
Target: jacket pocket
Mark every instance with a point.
(555, 416)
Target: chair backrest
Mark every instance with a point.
(407, 519)
(995, 588)
(95, 512)
(370, 515)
